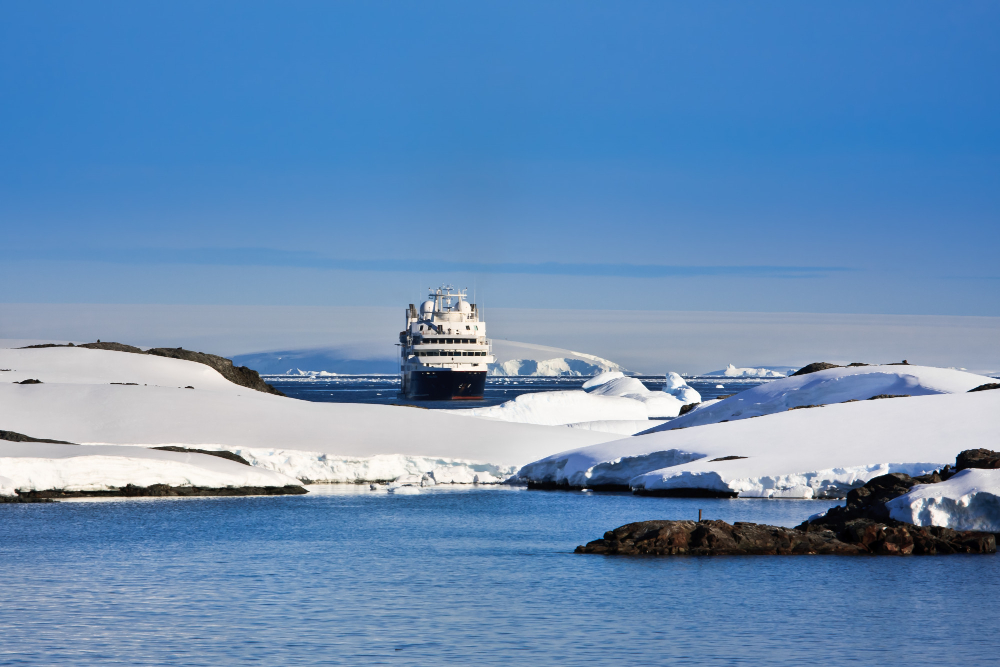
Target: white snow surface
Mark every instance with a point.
(968, 501)
(608, 397)
(321, 468)
(76, 403)
(834, 385)
(732, 371)
(812, 453)
(34, 466)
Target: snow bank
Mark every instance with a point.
(75, 403)
(32, 466)
(731, 371)
(557, 408)
(834, 385)
(321, 468)
(608, 397)
(820, 452)
(968, 501)
(618, 426)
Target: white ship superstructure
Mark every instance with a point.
(444, 352)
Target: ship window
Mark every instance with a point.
(468, 328)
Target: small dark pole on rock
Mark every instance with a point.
(699, 515)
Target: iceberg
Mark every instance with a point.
(732, 371)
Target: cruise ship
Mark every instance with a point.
(444, 352)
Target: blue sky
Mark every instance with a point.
(810, 157)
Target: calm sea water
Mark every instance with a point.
(384, 388)
(457, 577)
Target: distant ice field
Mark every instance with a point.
(382, 389)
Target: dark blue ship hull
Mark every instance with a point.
(444, 385)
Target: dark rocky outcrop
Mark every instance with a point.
(222, 454)
(29, 381)
(875, 398)
(163, 491)
(986, 387)
(687, 408)
(862, 526)
(241, 375)
(814, 367)
(978, 458)
(718, 538)
(13, 436)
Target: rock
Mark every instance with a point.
(114, 347)
(978, 458)
(687, 408)
(718, 538)
(986, 387)
(875, 398)
(713, 538)
(241, 375)
(814, 367)
(163, 491)
(221, 453)
(12, 436)
(29, 381)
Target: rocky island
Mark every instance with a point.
(862, 527)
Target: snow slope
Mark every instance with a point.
(221, 415)
(799, 454)
(968, 501)
(80, 365)
(834, 385)
(34, 466)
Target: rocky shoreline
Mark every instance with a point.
(861, 527)
(154, 491)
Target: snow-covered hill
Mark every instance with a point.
(834, 385)
(815, 452)
(77, 402)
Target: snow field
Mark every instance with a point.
(818, 452)
(608, 397)
(834, 385)
(33, 466)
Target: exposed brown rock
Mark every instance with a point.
(986, 387)
(978, 458)
(814, 367)
(12, 436)
(221, 453)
